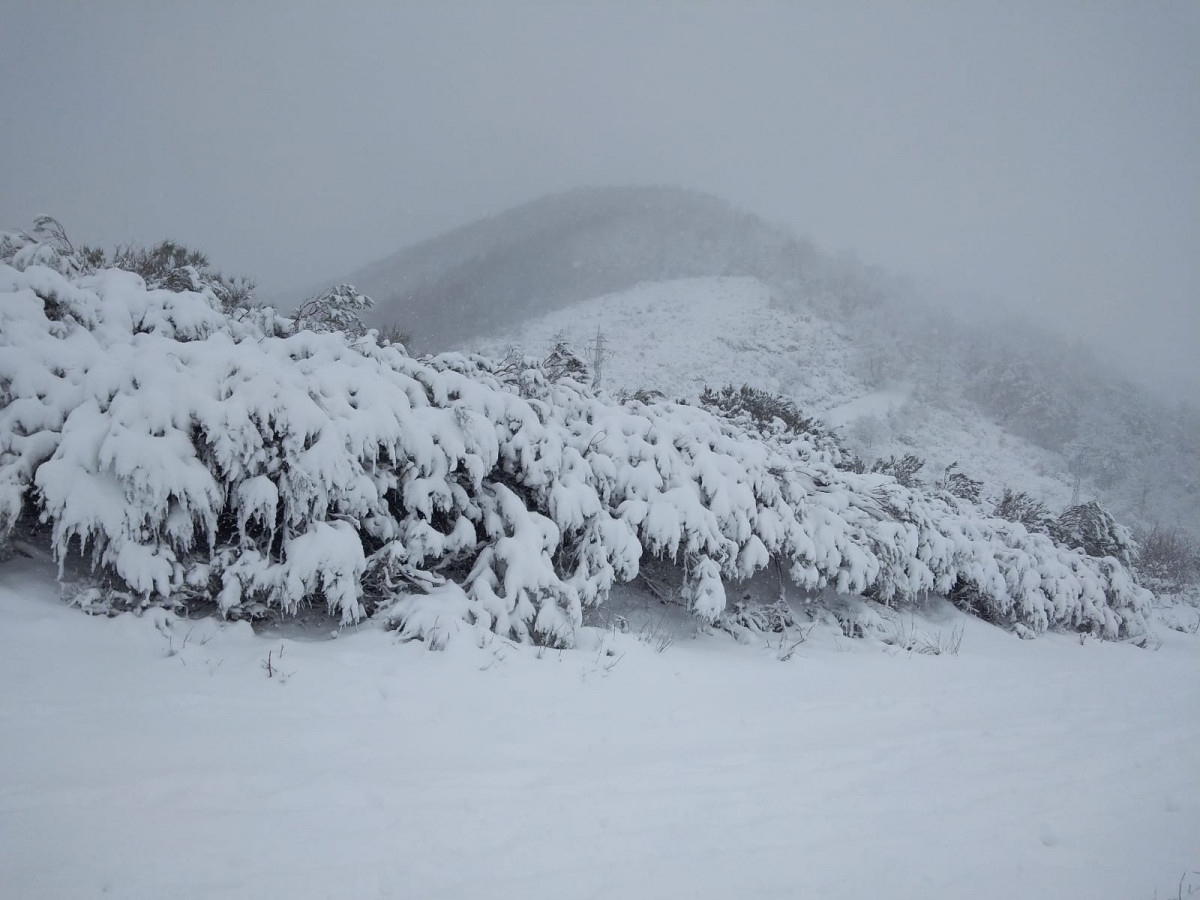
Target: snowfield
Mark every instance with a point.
(153, 757)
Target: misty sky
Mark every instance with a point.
(1044, 153)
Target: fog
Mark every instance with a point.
(1043, 156)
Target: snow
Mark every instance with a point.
(153, 757)
(879, 403)
(336, 488)
(681, 335)
(162, 423)
(678, 336)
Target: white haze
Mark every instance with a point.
(1043, 155)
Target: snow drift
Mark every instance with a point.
(194, 454)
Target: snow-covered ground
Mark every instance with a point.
(880, 404)
(154, 758)
(680, 336)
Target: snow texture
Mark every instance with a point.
(679, 336)
(190, 454)
(153, 757)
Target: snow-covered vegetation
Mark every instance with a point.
(199, 451)
(1015, 405)
(679, 337)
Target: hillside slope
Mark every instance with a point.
(567, 247)
(1035, 410)
(679, 336)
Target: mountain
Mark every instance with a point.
(567, 247)
(691, 291)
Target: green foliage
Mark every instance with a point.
(91, 259)
(855, 464)
(160, 265)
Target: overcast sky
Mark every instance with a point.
(1043, 153)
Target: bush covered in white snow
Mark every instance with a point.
(191, 453)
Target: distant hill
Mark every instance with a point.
(896, 384)
(549, 253)
(1017, 405)
(677, 337)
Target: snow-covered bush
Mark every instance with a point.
(1019, 506)
(745, 617)
(193, 454)
(905, 470)
(338, 309)
(769, 413)
(1168, 558)
(1094, 530)
(958, 483)
(171, 265)
(46, 244)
